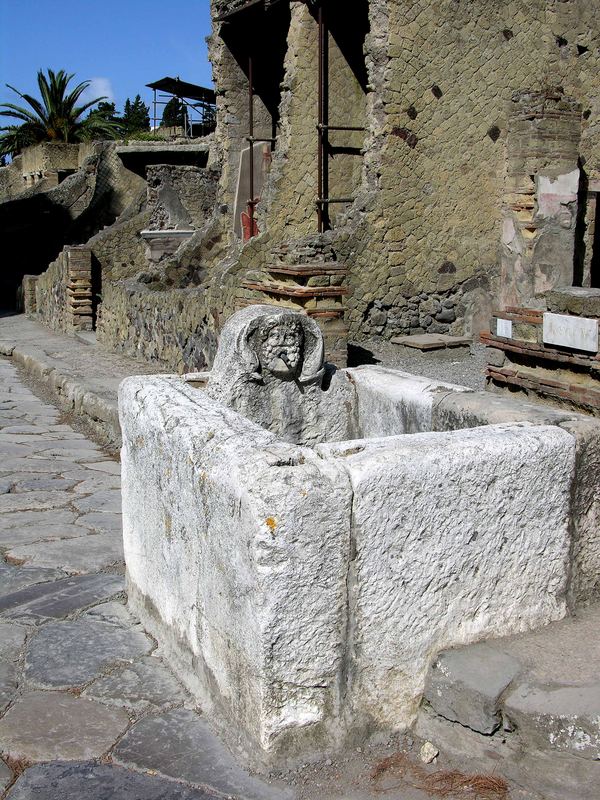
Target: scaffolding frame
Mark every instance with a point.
(198, 102)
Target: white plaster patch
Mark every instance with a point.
(552, 195)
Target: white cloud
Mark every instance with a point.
(99, 87)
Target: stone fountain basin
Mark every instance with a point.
(301, 592)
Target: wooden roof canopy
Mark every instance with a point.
(180, 88)
(258, 5)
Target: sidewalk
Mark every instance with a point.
(81, 376)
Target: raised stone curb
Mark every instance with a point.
(83, 378)
(466, 685)
(71, 394)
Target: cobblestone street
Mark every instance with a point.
(88, 707)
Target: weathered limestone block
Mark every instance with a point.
(237, 548)
(390, 402)
(458, 536)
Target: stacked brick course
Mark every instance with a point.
(63, 294)
(79, 288)
(525, 362)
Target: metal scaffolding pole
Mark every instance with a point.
(250, 138)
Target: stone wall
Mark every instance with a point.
(425, 227)
(172, 327)
(180, 197)
(37, 223)
(119, 250)
(51, 161)
(26, 300)
(11, 179)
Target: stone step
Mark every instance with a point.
(293, 290)
(308, 269)
(536, 694)
(432, 341)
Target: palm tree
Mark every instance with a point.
(54, 118)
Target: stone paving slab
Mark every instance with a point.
(8, 683)
(60, 598)
(110, 467)
(12, 639)
(113, 612)
(101, 520)
(28, 534)
(13, 579)
(107, 501)
(88, 553)
(145, 686)
(30, 501)
(5, 775)
(180, 744)
(69, 654)
(43, 726)
(37, 484)
(88, 780)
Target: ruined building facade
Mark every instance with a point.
(411, 165)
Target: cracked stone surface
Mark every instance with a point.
(60, 598)
(12, 578)
(147, 685)
(12, 639)
(87, 553)
(5, 775)
(180, 744)
(42, 726)
(99, 645)
(8, 683)
(74, 781)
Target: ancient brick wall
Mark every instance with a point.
(444, 80)
(119, 250)
(422, 240)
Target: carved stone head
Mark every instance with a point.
(265, 340)
(280, 345)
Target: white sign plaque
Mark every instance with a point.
(504, 328)
(578, 333)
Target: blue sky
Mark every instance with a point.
(120, 46)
